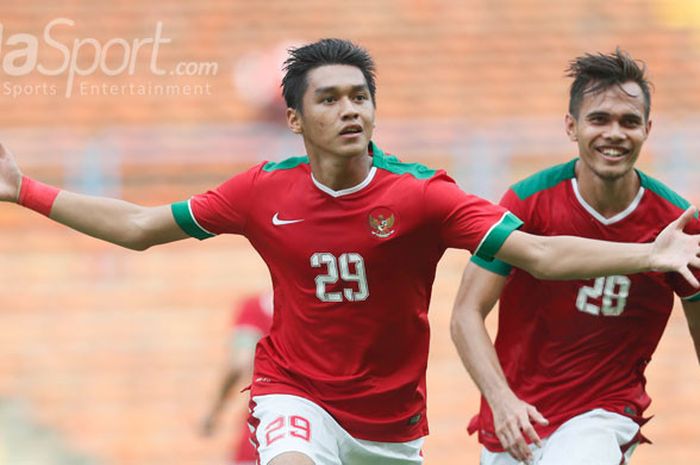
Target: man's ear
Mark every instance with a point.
(648, 129)
(294, 121)
(570, 125)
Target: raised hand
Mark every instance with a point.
(512, 420)
(673, 250)
(10, 176)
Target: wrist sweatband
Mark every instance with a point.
(37, 196)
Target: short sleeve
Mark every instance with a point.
(467, 221)
(516, 206)
(680, 286)
(218, 211)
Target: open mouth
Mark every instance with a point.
(613, 153)
(351, 130)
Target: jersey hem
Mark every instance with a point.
(417, 433)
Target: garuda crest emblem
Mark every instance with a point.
(382, 222)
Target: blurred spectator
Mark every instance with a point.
(252, 320)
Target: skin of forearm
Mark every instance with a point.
(591, 258)
(478, 355)
(116, 221)
(111, 220)
(568, 257)
(696, 342)
(695, 334)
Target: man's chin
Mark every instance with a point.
(354, 148)
(614, 174)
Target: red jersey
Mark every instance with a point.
(352, 272)
(568, 347)
(255, 318)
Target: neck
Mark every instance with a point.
(340, 172)
(607, 196)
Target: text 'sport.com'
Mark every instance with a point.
(117, 56)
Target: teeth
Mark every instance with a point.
(610, 152)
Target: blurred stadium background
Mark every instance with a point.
(110, 356)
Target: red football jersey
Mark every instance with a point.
(568, 347)
(352, 272)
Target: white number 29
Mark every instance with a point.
(331, 276)
(614, 291)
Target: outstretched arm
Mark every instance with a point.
(116, 221)
(692, 315)
(568, 257)
(512, 417)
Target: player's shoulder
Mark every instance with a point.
(661, 192)
(393, 165)
(286, 166)
(279, 174)
(544, 180)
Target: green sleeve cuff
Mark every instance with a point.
(497, 235)
(494, 266)
(182, 212)
(692, 298)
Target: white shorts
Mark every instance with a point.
(597, 437)
(284, 423)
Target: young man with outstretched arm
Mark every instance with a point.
(567, 371)
(352, 237)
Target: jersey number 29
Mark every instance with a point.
(342, 264)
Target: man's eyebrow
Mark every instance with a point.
(323, 90)
(593, 114)
(633, 116)
(630, 116)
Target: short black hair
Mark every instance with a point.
(323, 52)
(593, 73)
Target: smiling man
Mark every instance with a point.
(575, 352)
(352, 237)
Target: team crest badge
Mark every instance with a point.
(382, 222)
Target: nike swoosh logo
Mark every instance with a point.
(279, 222)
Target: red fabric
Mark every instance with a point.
(363, 360)
(252, 435)
(563, 360)
(37, 196)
